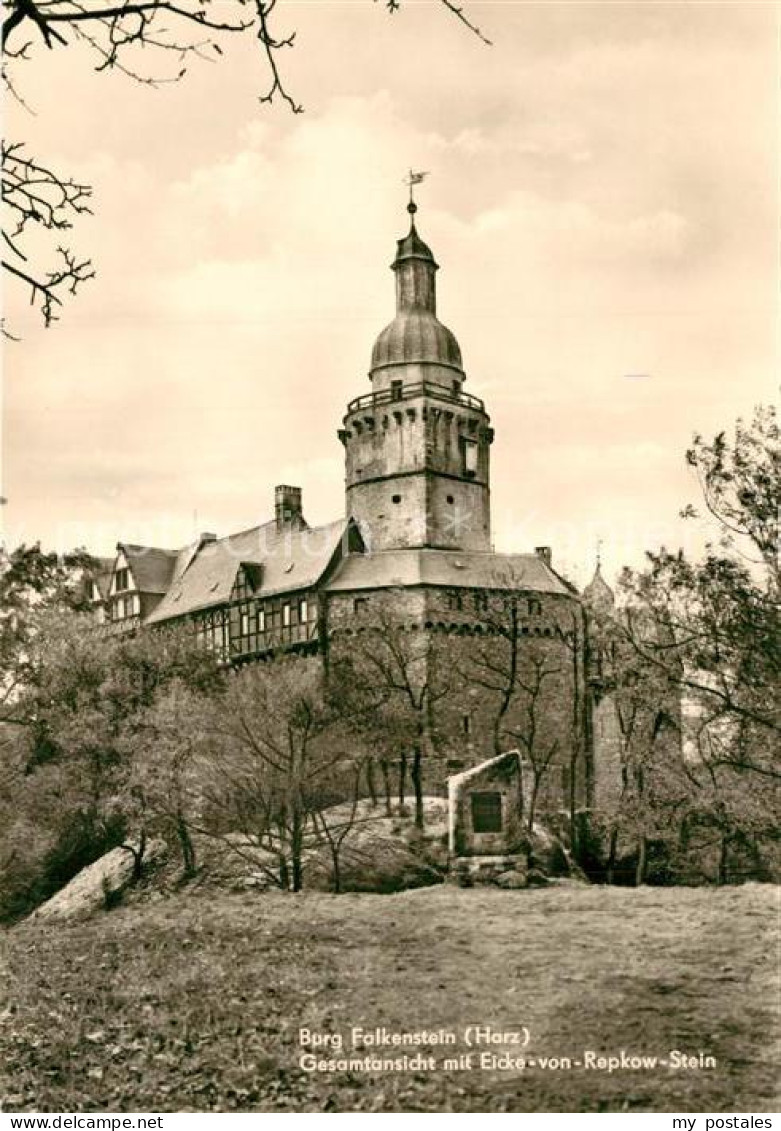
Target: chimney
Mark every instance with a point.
(544, 552)
(205, 537)
(287, 506)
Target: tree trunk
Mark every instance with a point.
(722, 875)
(187, 847)
(402, 778)
(497, 739)
(138, 855)
(417, 781)
(610, 867)
(533, 800)
(371, 782)
(296, 849)
(642, 862)
(284, 874)
(386, 785)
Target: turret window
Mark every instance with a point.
(470, 458)
(396, 390)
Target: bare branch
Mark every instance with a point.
(459, 14)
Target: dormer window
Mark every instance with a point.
(122, 579)
(126, 607)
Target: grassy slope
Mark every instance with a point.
(194, 1003)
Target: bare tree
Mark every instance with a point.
(520, 672)
(282, 758)
(645, 709)
(35, 195)
(399, 674)
(164, 786)
(336, 822)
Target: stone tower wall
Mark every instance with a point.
(410, 481)
(463, 717)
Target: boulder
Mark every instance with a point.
(382, 853)
(536, 879)
(97, 886)
(512, 879)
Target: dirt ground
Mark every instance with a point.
(196, 1002)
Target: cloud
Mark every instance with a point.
(597, 203)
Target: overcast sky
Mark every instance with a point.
(601, 202)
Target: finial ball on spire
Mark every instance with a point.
(412, 208)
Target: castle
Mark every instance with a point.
(416, 538)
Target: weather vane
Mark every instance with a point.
(413, 179)
(599, 552)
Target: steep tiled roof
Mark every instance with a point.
(152, 568)
(102, 575)
(294, 558)
(448, 568)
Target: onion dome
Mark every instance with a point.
(415, 335)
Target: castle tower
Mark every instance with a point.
(417, 447)
(598, 595)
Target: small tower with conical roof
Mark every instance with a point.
(598, 594)
(417, 447)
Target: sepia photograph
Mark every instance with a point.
(390, 668)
